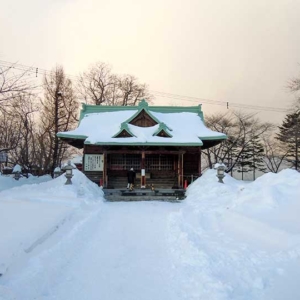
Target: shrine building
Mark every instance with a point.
(161, 143)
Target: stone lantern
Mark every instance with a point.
(57, 172)
(69, 173)
(220, 173)
(17, 172)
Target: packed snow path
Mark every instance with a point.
(120, 252)
(127, 259)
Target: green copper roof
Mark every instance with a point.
(87, 109)
(103, 125)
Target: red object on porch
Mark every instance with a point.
(185, 184)
(101, 182)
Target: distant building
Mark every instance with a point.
(162, 143)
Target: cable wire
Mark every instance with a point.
(36, 71)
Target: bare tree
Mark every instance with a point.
(100, 86)
(17, 136)
(59, 110)
(96, 84)
(13, 83)
(130, 90)
(275, 156)
(10, 131)
(240, 129)
(24, 153)
(294, 84)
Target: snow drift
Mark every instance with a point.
(226, 241)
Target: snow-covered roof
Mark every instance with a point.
(181, 125)
(77, 159)
(17, 169)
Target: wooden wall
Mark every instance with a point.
(186, 162)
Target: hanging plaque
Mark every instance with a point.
(93, 162)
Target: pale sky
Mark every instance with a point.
(238, 51)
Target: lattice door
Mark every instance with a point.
(159, 162)
(125, 161)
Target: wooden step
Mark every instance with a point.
(173, 195)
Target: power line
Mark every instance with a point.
(187, 98)
(227, 104)
(218, 102)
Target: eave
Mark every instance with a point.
(77, 143)
(209, 142)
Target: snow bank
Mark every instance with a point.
(53, 190)
(207, 191)
(273, 199)
(34, 208)
(236, 240)
(272, 190)
(8, 182)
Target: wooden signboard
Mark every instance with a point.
(93, 162)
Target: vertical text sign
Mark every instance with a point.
(93, 162)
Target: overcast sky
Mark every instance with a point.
(238, 51)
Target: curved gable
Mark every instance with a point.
(124, 132)
(163, 131)
(143, 119)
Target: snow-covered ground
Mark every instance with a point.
(224, 241)
(8, 182)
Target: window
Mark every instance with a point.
(125, 161)
(159, 162)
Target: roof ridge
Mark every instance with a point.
(88, 108)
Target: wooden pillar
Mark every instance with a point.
(182, 179)
(105, 169)
(174, 162)
(199, 163)
(83, 158)
(179, 170)
(143, 171)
